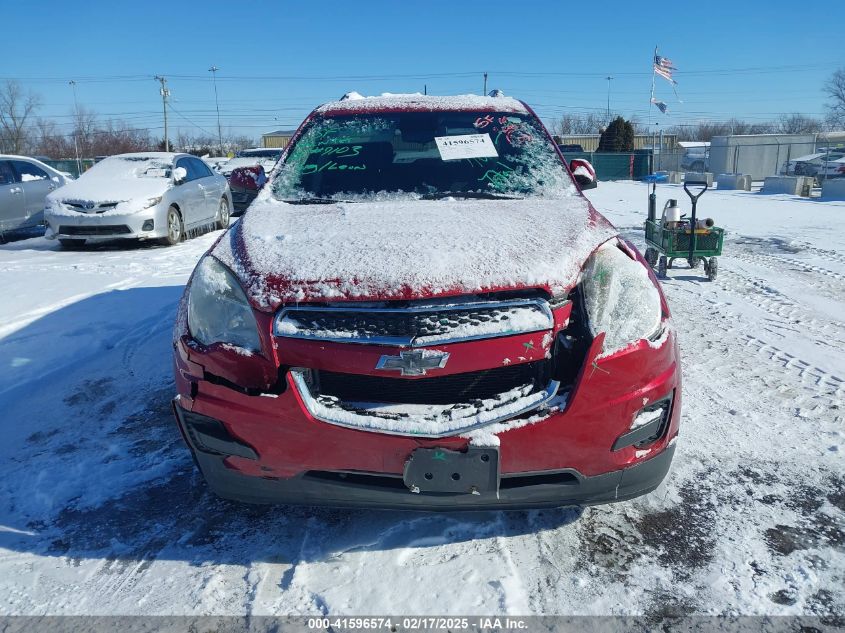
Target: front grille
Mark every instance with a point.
(456, 388)
(103, 229)
(90, 207)
(415, 324)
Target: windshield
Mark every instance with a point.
(121, 167)
(423, 154)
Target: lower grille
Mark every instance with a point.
(102, 229)
(456, 388)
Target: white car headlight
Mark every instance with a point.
(621, 300)
(151, 202)
(218, 310)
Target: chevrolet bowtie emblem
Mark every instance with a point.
(414, 363)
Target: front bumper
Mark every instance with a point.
(107, 226)
(266, 447)
(387, 491)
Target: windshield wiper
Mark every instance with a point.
(479, 195)
(314, 201)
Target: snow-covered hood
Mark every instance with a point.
(131, 193)
(409, 249)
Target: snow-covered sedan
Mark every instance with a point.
(421, 310)
(145, 196)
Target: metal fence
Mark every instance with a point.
(617, 165)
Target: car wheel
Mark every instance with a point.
(651, 256)
(712, 269)
(661, 267)
(71, 245)
(175, 228)
(223, 213)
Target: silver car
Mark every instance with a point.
(24, 185)
(146, 196)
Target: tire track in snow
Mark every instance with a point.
(761, 295)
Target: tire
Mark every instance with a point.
(670, 263)
(71, 245)
(694, 261)
(223, 214)
(175, 227)
(661, 267)
(712, 269)
(651, 256)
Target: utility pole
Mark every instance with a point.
(609, 78)
(165, 93)
(213, 70)
(72, 84)
(485, 85)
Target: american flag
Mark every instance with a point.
(663, 67)
(661, 105)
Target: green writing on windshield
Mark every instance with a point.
(338, 151)
(331, 165)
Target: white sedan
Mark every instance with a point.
(155, 195)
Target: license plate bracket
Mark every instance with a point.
(441, 470)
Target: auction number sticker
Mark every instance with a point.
(465, 146)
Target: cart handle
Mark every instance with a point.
(693, 196)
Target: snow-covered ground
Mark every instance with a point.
(102, 512)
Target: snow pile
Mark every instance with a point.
(380, 250)
(430, 103)
(132, 180)
(621, 299)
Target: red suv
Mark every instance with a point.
(421, 310)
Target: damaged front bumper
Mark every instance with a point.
(210, 444)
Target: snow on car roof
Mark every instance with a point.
(386, 249)
(355, 102)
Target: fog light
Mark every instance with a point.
(148, 225)
(648, 426)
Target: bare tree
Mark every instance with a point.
(797, 123)
(590, 123)
(835, 89)
(16, 107)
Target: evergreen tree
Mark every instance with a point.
(618, 137)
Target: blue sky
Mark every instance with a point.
(753, 59)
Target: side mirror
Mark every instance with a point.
(179, 175)
(584, 173)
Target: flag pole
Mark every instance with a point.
(653, 73)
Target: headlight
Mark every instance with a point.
(218, 311)
(153, 202)
(620, 298)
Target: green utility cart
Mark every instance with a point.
(684, 240)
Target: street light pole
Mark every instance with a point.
(165, 92)
(609, 78)
(213, 70)
(72, 84)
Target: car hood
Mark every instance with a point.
(132, 193)
(404, 249)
